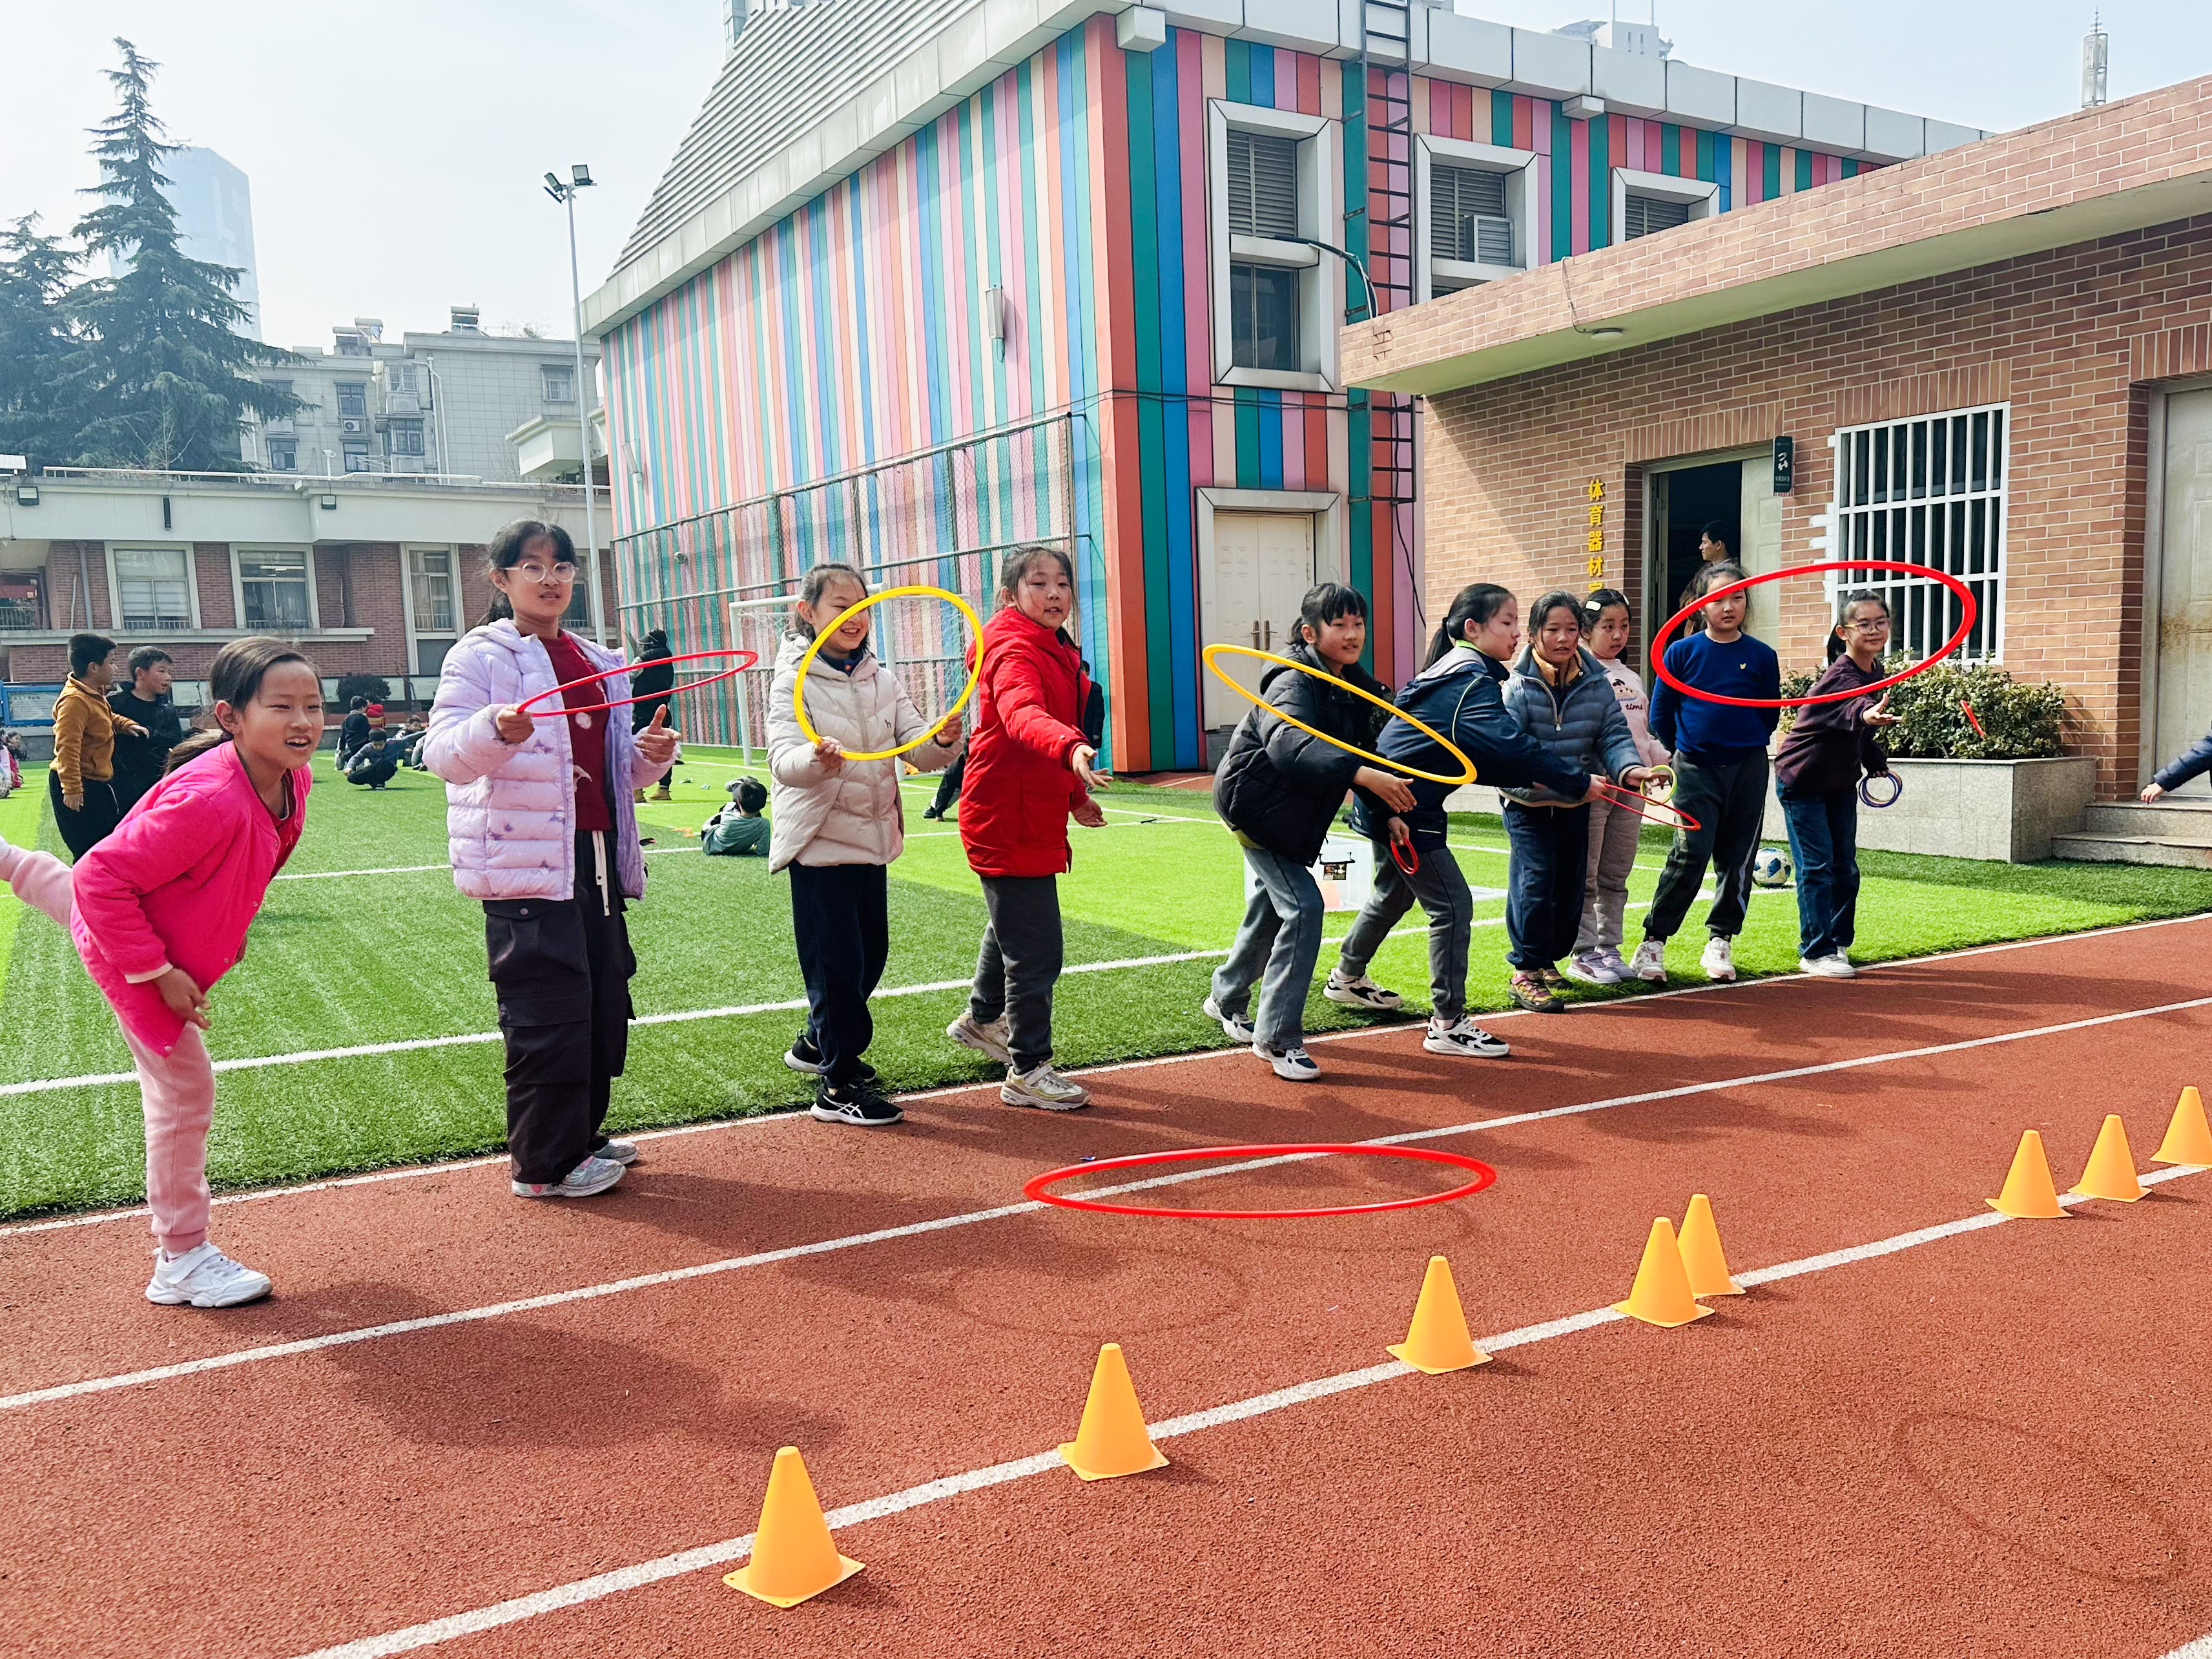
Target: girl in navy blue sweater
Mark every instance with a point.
(1720, 777)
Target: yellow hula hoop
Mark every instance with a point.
(1433, 736)
(798, 689)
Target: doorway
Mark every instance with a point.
(1262, 565)
(1690, 500)
(2182, 707)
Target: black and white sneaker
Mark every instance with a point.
(1293, 1064)
(1360, 993)
(804, 1056)
(856, 1103)
(1463, 1036)
(1237, 1025)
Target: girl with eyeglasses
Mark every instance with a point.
(1816, 775)
(542, 829)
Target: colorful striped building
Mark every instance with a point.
(929, 278)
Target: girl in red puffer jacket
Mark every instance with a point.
(1029, 770)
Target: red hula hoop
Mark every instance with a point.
(1636, 802)
(1958, 638)
(1971, 719)
(751, 658)
(1407, 858)
(1484, 1175)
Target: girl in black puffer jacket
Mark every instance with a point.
(1279, 788)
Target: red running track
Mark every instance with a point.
(1990, 1442)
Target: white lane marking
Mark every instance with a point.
(825, 1247)
(577, 1592)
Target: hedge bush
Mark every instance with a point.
(2019, 721)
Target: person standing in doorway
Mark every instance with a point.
(81, 782)
(1713, 549)
(139, 760)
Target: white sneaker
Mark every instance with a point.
(1043, 1087)
(1360, 991)
(1237, 1025)
(1834, 965)
(1650, 961)
(992, 1040)
(1463, 1036)
(205, 1277)
(593, 1175)
(1592, 968)
(1719, 960)
(1294, 1064)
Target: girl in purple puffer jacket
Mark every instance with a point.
(540, 821)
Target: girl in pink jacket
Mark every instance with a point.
(159, 911)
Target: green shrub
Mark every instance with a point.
(2021, 721)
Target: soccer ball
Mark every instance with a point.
(1771, 869)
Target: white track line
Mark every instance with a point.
(579, 1591)
(911, 1230)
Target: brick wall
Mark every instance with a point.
(211, 576)
(2064, 336)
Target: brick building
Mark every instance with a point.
(1996, 360)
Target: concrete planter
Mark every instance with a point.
(2000, 810)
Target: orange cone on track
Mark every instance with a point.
(793, 1555)
(2189, 1136)
(1660, 1294)
(1438, 1341)
(2029, 1193)
(2111, 1171)
(1113, 1440)
(1702, 1258)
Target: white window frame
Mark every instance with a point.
(1320, 294)
(1877, 528)
(545, 373)
(238, 580)
(115, 585)
(1703, 196)
(1432, 275)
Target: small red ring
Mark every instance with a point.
(751, 658)
(1035, 1191)
(1627, 800)
(1408, 859)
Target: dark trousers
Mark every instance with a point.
(562, 969)
(1729, 802)
(841, 917)
(948, 786)
(1824, 846)
(85, 827)
(379, 772)
(1550, 868)
(1019, 962)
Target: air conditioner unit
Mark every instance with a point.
(1486, 240)
(352, 424)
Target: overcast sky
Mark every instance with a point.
(395, 166)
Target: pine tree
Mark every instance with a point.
(36, 340)
(161, 379)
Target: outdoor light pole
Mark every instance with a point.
(579, 178)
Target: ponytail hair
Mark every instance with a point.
(1856, 596)
(814, 584)
(1476, 603)
(1021, 560)
(505, 550)
(234, 677)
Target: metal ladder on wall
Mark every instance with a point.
(1386, 84)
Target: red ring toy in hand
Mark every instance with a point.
(1635, 802)
(751, 658)
(1407, 858)
(1484, 1175)
(1958, 638)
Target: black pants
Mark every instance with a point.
(85, 827)
(562, 968)
(841, 917)
(948, 786)
(1544, 897)
(1016, 969)
(376, 772)
(1730, 804)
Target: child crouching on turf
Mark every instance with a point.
(1279, 790)
(1562, 698)
(1457, 694)
(1720, 777)
(540, 826)
(838, 825)
(1615, 829)
(738, 830)
(159, 911)
(1816, 775)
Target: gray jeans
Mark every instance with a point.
(1613, 846)
(1281, 933)
(1441, 891)
(1018, 963)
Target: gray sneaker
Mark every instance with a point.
(1043, 1087)
(992, 1040)
(621, 1152)
(594, 1174)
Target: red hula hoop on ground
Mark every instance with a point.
(751, 658)
(1636, 802)
(1896, 790)
(1484, 1175)
(1971, 719)
(1958, 638)
(1407, 858)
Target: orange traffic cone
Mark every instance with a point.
(1660, 1294)
(794, 1555)
(2111, 1171)
(1700, 1243)
(2189, 1136)
(1438, 1341)
(2028, 1193)
(1113, 1440)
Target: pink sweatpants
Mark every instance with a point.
(177, 1088)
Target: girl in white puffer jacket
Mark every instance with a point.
(836, 825)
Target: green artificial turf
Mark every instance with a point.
(340, 960)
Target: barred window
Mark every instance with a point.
(1649, 213)
(1467, 219)
(1929, 490)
